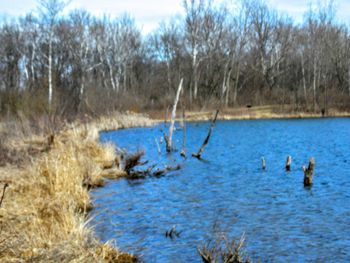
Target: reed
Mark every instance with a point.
(43, 216)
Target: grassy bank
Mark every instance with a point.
(43, 215)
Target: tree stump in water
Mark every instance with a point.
(288, 163)
(308, 172)
(263, 163)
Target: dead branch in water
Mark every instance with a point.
(141, 174)
(199, 153)
(183, 151)
(172, 233)
(133, 160)
(158, 147)
(169, 139)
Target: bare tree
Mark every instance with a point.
(233, 54)
(49, 11)
(194, 19)
(167, 46)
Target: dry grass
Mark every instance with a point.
(256, 112)
(44, 211)
(121, 121)
(225, 251)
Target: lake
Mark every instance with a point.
(229, 193)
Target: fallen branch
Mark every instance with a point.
(199, 153)
(140, 174)
(149, 173)
(133, 160)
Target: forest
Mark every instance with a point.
(229, 55)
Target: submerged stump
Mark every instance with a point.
(263, 163)
(308, 172)
(288, 163)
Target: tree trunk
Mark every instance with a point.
(314, 85)
(169, 140)
(303, 73)
(32, 65)
(50, 74)
(125, 76)
(228, 87)
(224, 84)
(169, 76)
(111, 75)
(235, 93)
(82, 90)
(195, 69)
(349, 80)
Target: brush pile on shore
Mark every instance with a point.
(43, 215)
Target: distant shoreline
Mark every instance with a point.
(253, 113)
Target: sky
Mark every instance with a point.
(149, 13)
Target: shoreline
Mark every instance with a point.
(49, 192)
(254, 113)
(44, 213)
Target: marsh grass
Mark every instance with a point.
(43, 216)
(254, 112)
(225, 251)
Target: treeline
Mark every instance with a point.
(239, 54)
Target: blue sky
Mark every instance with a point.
(148, 13)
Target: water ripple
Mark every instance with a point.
(282, 220)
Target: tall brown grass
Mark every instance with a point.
(43, 216)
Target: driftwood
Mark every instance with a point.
(169, 139)
(200, 151)
(141, 174)
(263, 163)
(308, 172)
(161, 172)
(288, 163)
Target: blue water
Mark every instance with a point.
(229, 192)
